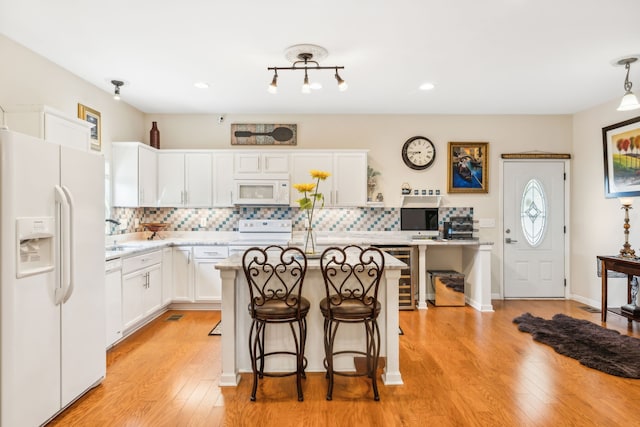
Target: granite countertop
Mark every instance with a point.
(128, 245)
(234, 262)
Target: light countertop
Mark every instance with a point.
(127, 245)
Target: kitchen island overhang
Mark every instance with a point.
(236, 323)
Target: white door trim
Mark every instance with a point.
(567, 215)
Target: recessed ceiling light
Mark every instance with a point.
(427, 86)
(201, 85)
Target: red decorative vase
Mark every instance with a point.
(154, 135)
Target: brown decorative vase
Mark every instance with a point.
(154, 135)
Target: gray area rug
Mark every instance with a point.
(592, 345)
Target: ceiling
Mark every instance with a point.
(484, 57)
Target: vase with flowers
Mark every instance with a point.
(311, 198)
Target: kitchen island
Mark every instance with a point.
(236, 323)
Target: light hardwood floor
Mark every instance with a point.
(460, 368)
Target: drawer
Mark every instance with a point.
(210, 252)
(141, 261)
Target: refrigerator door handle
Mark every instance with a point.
(63, 235)
(71, 245)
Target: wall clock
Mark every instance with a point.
(418, 153)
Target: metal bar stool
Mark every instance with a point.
(275, 276)
(352, 276)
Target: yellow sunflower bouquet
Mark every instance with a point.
(310, 198)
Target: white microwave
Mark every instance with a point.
(261, 192)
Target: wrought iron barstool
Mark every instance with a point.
(275, 276)
(352, 276)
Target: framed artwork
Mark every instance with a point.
(263, 134)
(93, 117)
(468, 168)
(621, 147)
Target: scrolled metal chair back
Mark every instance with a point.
(274, 273)
(352, 273)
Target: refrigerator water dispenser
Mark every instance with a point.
(35, 245)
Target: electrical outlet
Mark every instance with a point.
(136, 222)
(203, 222)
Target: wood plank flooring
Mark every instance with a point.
(460, 368)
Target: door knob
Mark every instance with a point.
(509, 240)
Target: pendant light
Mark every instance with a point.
(629, 100)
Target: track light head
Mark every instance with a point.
(342, 85)
(273, 87)
(306, 87)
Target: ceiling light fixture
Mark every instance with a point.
(201, 85)
(629, 100)
(116, 91)
(304, 58)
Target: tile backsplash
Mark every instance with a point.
(226, 219)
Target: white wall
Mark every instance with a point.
(596, 222)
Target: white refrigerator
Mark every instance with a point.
(52, 296)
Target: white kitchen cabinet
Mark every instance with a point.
(184, 179)
(167, 276)
(141, 287)
(260, 162)
(113, 300)
(350, 179)
(134, 174)
(347, 184)
(183, 274)
(208, 284)
(222, 179)
(52, 125)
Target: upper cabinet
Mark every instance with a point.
(184, 179)
(52, 125)
(134, 170)
(347, 184)
(222, 178)
(260, 162)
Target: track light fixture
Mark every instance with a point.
(302, 56)
(629, 100)
(116, 91)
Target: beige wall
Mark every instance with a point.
(28, 78)
(383, 136)
(596, 222)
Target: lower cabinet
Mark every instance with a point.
(195, 278)
(208, 284)
(183, 274)
(141, 287)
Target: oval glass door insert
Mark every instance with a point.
(533, 212)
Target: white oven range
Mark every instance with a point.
(261, 233)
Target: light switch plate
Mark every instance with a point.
(487, 223)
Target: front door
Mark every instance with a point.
(534, 229)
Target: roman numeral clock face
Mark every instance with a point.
(418, 153)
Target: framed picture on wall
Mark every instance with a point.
(621, 146)
(468, 168)
(93, 117)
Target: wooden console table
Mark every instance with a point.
(628, 266)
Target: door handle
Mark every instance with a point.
(510, 240)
